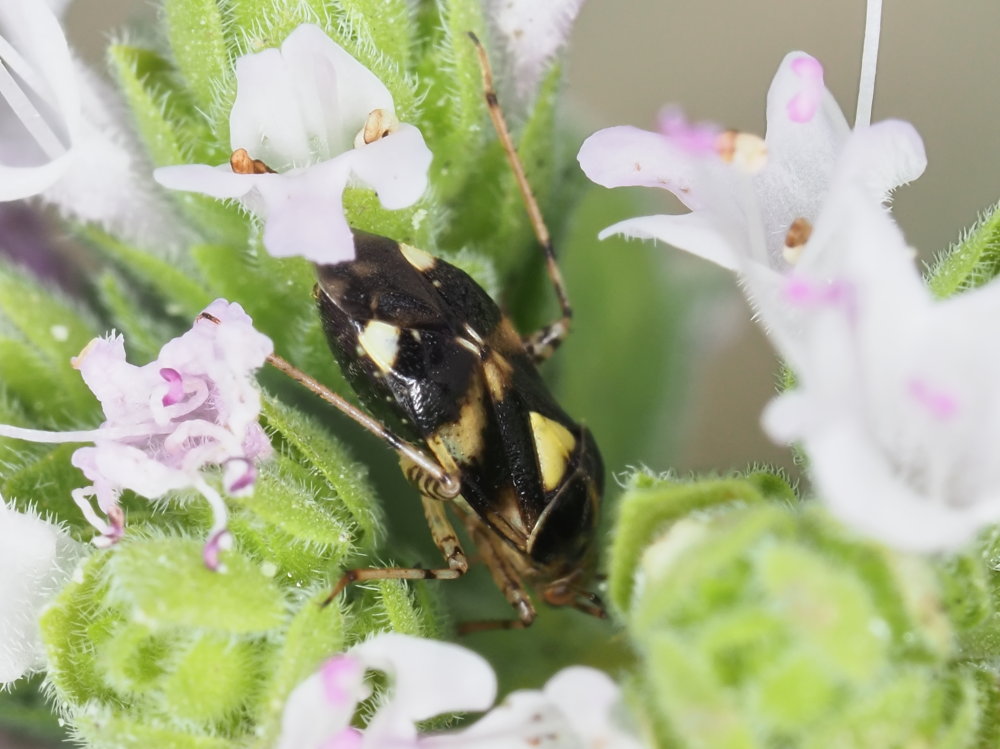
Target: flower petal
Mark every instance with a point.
(881, 158)
(217, 181)
(531, 34)
(424, 682)
(33, 46)
(36, 558)
(872, 498)
(628, 156)
(394, 166)
(321, 707)
(700, 233)
(303, 103)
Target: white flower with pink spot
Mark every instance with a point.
(743, 212)
(577, 708)
(895, 402)
(322, 121)
(195, 407)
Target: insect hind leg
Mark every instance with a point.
(445, 539)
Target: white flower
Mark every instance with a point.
(63, 134)
(36, 558)
(322, 121)
(194, 407)
(758, 214)
(428, 678)
(896, 402)
(530, 34)
(577, 709)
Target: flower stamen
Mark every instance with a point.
(380, 124)
(745, 151)
(796, 238)
(241, 163)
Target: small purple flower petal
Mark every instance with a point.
(175, 390)
(803, 105)
(196, 406)
(221, 540)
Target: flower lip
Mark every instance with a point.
(308, 121)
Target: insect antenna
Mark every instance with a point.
(545, 341)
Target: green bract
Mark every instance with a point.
(758, 624)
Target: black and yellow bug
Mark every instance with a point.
(455, 390)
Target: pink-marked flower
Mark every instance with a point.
(895, 402)
(577, 708)
(36, 558)
(194, 407)
(759, 216)
(321, 120)
(427, 678)
(63, 135)
(530, 34)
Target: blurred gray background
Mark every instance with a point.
(938, 68)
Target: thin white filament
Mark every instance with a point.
(869, 61)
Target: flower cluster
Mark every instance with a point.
(194, 407)
(577, 708)
(886, 377)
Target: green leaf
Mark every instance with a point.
(972, 261)
(386, 25)
(315, 633)
(171, 126)
(104, 727)
(210, 679)
(184, 296)
(196, 30)
(164, 582)
(328, 460)
(73, 628)
(630, 390)
(648, 509)
(454, 114)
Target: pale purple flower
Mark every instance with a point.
(895, 402)
(322, 121)
(755, 214)
(529, 34)
(63, 132)
(578, 707)
(194, 407)
(36, 559)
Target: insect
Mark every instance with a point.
(455, 391)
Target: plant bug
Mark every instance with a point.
(456, 392)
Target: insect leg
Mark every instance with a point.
(495, 556)
(444, 537)
(448, 485)
(542, 343)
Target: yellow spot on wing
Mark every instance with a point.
(380, 341)
(417, 258)
(554, 444)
